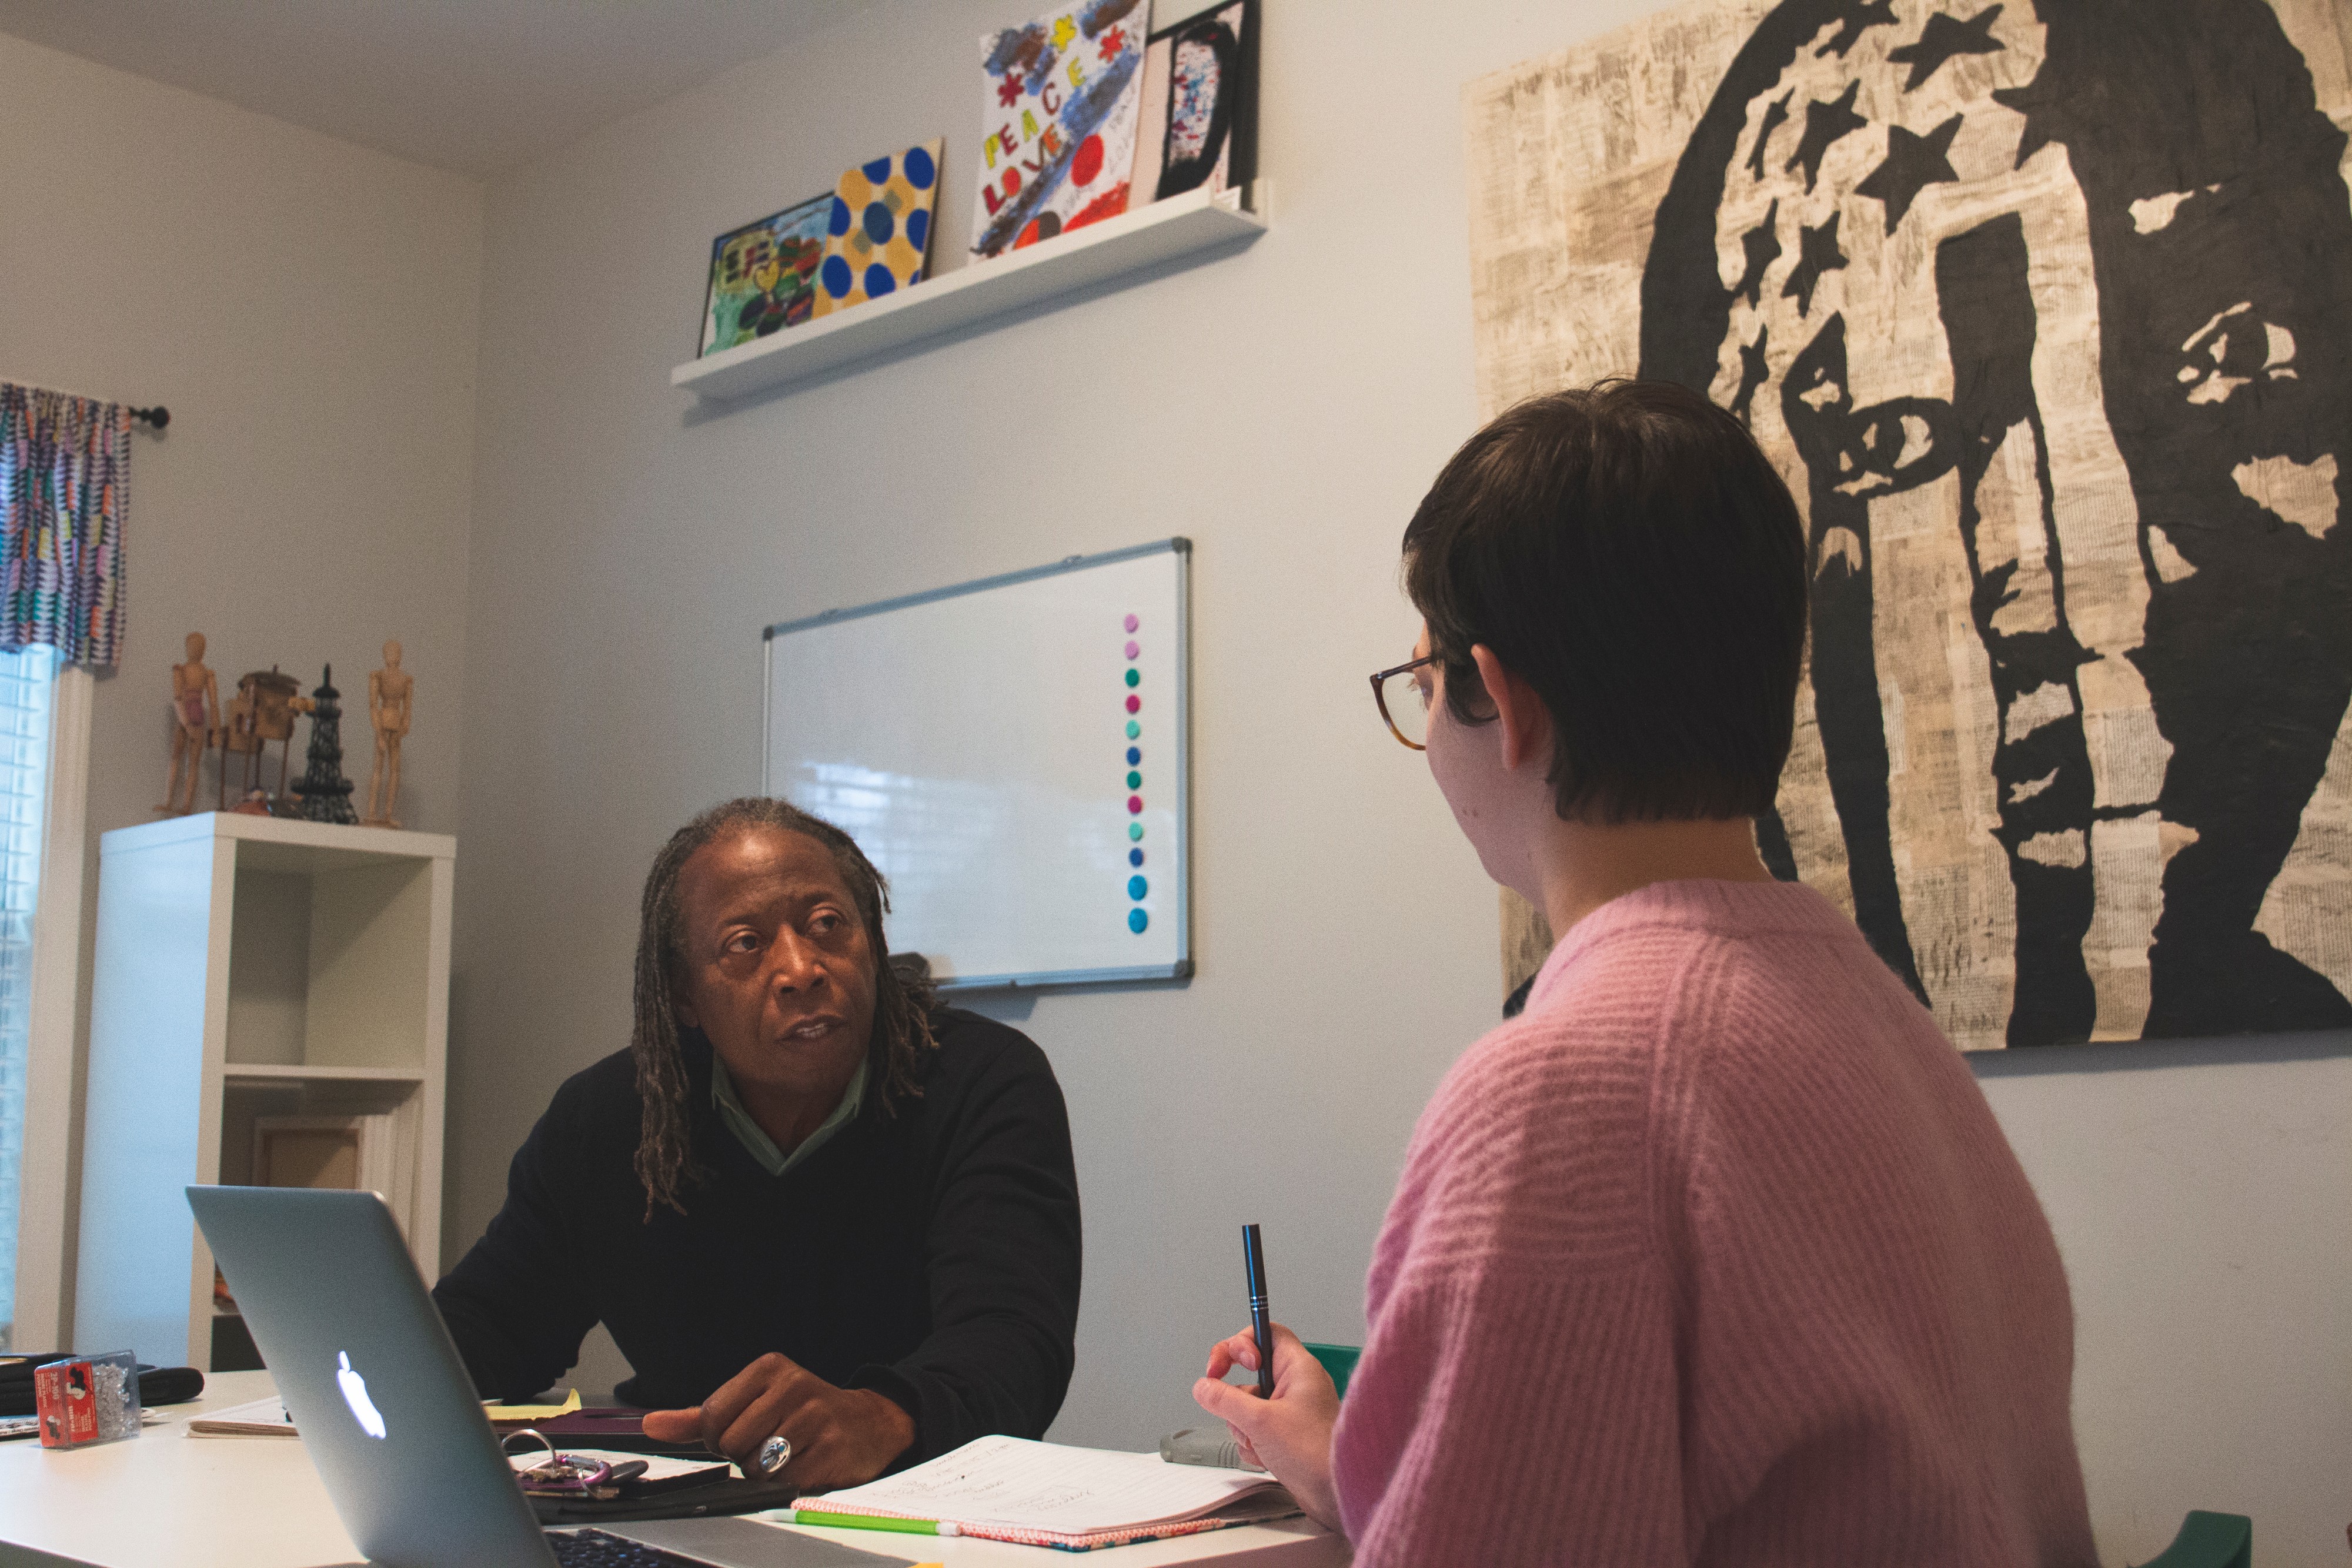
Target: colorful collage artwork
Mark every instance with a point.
(762, 275)
(1199, 124)
(1063, 97)
(878, 228)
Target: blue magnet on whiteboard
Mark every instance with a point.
(1135, 780)
(1135, 677)
(1137, 920)
(1134, 755)
(1131, 623)
(1136, 887)
(1133, 649)
(1133, 729)
(1135, 857)
(1134, 832)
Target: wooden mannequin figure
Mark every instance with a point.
(196, 712)
(389, 691)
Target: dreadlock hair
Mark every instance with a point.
(902, 994)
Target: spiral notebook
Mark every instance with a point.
(1047, 1494)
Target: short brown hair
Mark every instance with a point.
(1629, 552)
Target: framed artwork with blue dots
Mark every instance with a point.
(1011, 753)
(878, 228)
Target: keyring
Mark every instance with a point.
(773, 1456)
(528, 1432)
(557, 1472)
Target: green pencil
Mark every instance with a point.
(867, 1521)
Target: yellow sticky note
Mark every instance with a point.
(498, 1412)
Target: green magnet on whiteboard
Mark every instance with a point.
(1133, 729)
(1137, 920)
(1134, 832)
(1135, 780)
(1135, 677)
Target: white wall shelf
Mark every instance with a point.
(1164, 231)
(250, 968)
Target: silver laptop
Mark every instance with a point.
(389, 1415)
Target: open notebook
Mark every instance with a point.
(1044, 1494)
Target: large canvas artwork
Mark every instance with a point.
(1058, 118)
(2045, 314)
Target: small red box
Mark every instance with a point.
(61, 1396)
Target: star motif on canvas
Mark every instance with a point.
(1941, 40)
(1913, 163)
(1817, 252)
(1762, 246)
(1753, 371)
(1825, 123)
(1776, 115)
(1854, 22)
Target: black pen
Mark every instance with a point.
(1260, 1317)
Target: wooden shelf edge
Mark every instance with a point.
(1164, 231)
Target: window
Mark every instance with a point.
(27, 683)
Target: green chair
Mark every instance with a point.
(1338, 1360)
(2210, 1541)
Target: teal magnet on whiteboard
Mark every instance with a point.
(1136, 887)
(1135, 780)
(1135, 677)
(1137, 920)
(1133, 729)
(1134, 832)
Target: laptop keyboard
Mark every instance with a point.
(595, 1549)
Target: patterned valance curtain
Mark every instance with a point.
(64, 464)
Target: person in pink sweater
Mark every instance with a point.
(1715, 1254)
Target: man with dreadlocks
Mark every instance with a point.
(832, 1226)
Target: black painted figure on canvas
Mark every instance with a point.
(2068, 286)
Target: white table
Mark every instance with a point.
(255, 1502)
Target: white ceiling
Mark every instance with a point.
(477, 85)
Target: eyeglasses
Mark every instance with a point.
(1404, 702)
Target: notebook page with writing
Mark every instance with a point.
(1049, 1487)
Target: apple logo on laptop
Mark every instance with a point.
(355, 1395)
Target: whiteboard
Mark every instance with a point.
(1011, 753)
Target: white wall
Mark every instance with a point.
(1284, 407)
(307, 310)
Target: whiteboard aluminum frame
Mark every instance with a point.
(1182, 547)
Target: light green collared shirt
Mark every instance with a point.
(761, 1146)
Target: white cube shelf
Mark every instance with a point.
(250, 966)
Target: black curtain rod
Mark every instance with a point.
(154, 418)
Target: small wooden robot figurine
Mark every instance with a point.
(262, 711)
(195, 715)
(389, 693)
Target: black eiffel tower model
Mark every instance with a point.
(326, 793)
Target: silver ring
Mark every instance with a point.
(773, 1456)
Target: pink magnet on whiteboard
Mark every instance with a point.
(1133, 649)
(1134, 705)
(1131, 623)
(1135, 805)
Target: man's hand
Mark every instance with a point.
(1289, 1434)
(840, 1436)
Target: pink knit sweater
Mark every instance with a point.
(1714, 1255)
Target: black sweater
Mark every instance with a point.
(931, 1256)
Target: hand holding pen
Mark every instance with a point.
(1287, 1429)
